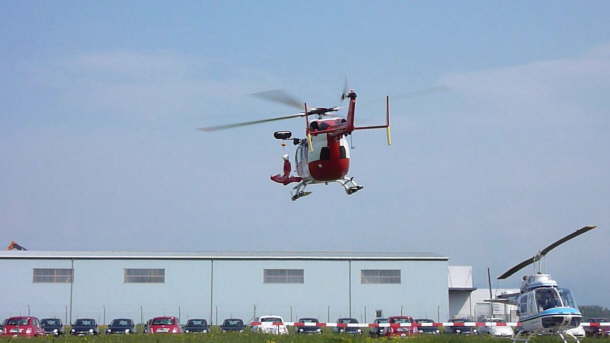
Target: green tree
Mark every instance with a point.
(594, 311)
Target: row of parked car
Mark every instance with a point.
(32, 326)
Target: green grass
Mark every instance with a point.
(248, 337)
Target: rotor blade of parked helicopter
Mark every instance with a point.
(517, 268)
(280, 96)
(247, 123)
(566, 238)
(545, 251)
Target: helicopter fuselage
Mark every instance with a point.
(329, 157)
(545, 308)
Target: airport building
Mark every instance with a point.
(219, 285)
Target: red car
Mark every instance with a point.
(22, 326)
(396, 329)
(164, 325)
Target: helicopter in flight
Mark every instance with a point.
(542, 306)
(323, 155)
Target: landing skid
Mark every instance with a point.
(348, 184)
(568, 335)
(298, 191)
(563, 335)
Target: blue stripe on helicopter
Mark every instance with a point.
(553, 312)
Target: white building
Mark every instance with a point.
(465, 301)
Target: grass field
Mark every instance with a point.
(260, 338)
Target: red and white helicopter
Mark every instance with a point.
(324, 155)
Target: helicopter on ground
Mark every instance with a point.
(543, 307)
(323, 156)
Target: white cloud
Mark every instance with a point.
(146, 84)
(575, 82)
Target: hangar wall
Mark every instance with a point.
(217, 286)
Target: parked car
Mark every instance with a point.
(598, 330)
(378, 331)
(308, 326)
(461, 329)
(23, 326)
(396, 329)
(344, 327)
(52, 326)
(122, 326)
(164, 325)
(270, 325)
(428, 327)
(196, 325)
(498, 330)
(83, 327)
(232, 325)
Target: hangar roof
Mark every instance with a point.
(224, 255)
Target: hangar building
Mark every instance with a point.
(218, 285)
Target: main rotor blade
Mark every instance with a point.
(247, 123)
(420, 92)
(408, 95)
(545, 251)
(516, 268)
(344, 92)
(566, 238)
(280, 96)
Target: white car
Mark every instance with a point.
(497, 331)
(578, 331)
(273, 325)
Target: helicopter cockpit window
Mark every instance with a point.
(547, 298)
(324, 154)
(523, 304)
(323, 126)
(342, 153)
(567, 298)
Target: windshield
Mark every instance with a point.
(17, 321)
(50, 322)
(567, 298)
(85, 322)
(121, 322)
(547, 298)
(381, 320)
(196, 322)
(233, 322)
(598, 320)
(163, 321)
(271, 320)
(424, 320)
(347, 320)
(401, 320)
(308, 320)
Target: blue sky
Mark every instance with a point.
(101, 101)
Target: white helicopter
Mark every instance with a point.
(543, 307)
